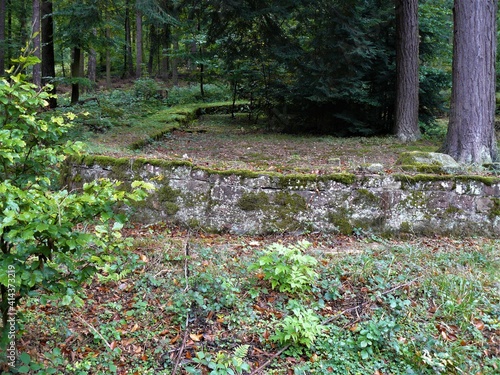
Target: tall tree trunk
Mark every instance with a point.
(48, 56)
(153, 46)
(175, 61)
(128, 70)
(108, 61)
(165, 46)
(406, 119)
(174, 36)
(471, 130)
(138, 44)
(3, 9)
(8, 32)
(92, 64)
(23, 25)
(75, 75)
(37, 44)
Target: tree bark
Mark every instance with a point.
(3, 9)
(165, 46)
(48, 55)
(75, 75)
(108, 61)
(406, 116)
(471, 129)
(153, 49)
(175, 62)
(37, 44)
(138, 44)
(128, 70)
(92, 64)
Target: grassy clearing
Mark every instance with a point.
(206, 304)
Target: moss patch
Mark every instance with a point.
(340, 219)
(291, 201)
(298, 181)
(168, 199)
(495, 209)
(418, 178)
(253, 201)
(365, 196)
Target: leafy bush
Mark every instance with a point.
(45, 242)
(288, 268)
(300, 328)
(146, 88)
(191, 94)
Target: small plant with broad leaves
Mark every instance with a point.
(287, 268)
(300, 328)
(222, 363)
(372, 335)
(51, 239)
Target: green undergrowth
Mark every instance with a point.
(206, 303)
(121, 121)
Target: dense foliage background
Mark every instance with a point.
(308, 66)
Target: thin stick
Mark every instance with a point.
(93, 329)
(186, 332)
(332, 318)
(260, 368)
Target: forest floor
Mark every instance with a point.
(176, 303)
(222, 142)
(191, 303)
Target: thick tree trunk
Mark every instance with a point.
(37, 44)
(75, 75)
(3, 10)
(406, 119)
(48, 56)
(471, 130)
(138, 44)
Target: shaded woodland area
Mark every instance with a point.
(342, 68)
(263, 109)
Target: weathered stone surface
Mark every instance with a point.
(428, 162)
(249, 203)
(373, 168)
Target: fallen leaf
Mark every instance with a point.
(174, 340)
(478, 324)
(195, 337)
(134, 328)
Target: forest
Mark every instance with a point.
(314, 66)
(130, 129)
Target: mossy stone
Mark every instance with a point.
(428, 162)
(495, 209)
(253, 201)
(340, 219)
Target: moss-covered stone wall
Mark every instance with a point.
(246, 202)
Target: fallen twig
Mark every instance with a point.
(268, 362)
(93, 329)
(186, 332)
(332, 318)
